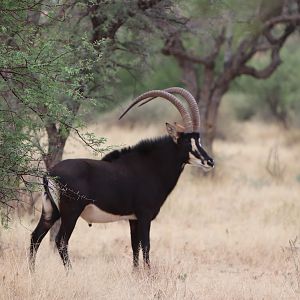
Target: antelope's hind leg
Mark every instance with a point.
(45, 223)
(62, 239)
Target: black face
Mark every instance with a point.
(197, 156)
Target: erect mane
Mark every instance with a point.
(143, 146)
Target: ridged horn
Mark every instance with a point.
(187, 121)
(191, 102)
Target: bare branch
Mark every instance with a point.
(294, 18)
(275, 57)
(174, 46)
(267, 71)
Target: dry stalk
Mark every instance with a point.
(274, 166)
(296, 262)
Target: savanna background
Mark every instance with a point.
(67, 71)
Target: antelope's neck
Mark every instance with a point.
(170, 169)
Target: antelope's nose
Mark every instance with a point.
(210, 162)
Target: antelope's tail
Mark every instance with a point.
(52, 197)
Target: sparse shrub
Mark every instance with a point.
(244, 108)
(244, 111)
(228, 127)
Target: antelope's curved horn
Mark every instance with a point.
(191, 102)
(187, 121)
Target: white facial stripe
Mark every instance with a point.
(193, 160)
(93, 214)
(193, 143)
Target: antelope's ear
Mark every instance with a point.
(179, 127)
(172, 132)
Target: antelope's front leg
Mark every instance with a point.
(144, 233)
(135, 242)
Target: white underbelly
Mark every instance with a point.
(93, 214)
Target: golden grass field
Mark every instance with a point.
(221, 238)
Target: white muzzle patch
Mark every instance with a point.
(194, 161)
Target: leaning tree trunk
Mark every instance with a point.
(56, 144)
(209, 107)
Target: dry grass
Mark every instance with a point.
(226, 238)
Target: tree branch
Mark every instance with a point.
(174, 46)
(267, 71)
(294, 18)
(120, 18)
(275, 56)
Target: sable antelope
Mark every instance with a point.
(128, 184)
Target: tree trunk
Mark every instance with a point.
(56, 145)
(209, 107)
(207, 136)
